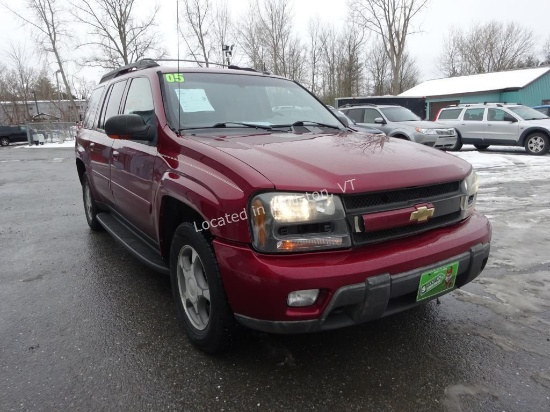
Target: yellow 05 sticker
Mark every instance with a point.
(174, 77)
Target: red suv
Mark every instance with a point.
(285, 221)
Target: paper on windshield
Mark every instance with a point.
(194, 100)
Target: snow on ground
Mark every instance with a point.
(48, 145)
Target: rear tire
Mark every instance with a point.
(481, 147)
(537, 144)
(90, 207)
(4, 141)
(201, 304)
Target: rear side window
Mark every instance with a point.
(449, 114)
(474, 114)
(112, 105)
(371, 115)
(93, 105)
(356, 115)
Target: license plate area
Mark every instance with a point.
(437, 281)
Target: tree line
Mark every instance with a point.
(367, 55)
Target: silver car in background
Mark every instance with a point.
(400, 122)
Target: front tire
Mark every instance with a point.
(458, 145)
(537, 144)
(90, 207)
(198, 291)
(481, 147)
(4, 141)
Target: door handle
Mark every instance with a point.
(115, 154)
(92, 144)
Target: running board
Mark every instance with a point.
(132, 242)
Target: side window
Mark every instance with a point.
(93, 105)
(112, 105)
(355, 115)
(474, 114)
(449, 114)
(140, 99)
(371, 114)
(495, 115)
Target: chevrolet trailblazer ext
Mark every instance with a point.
(285, 221)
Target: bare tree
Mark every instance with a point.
(275, 29)
(350, 62)
(222, 28)
(25, 74)
(45, 18)
(251, 38)
(546, 51)
(392, 21)
(488, 47)
(380, 74)
(314, 51)
(198, 17)
(117, 38)
(378, 70)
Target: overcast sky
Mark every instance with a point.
(434, 22)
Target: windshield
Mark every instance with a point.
(526, 113)
(398, 114)
(204, 100)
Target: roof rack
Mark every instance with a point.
(139, 65)
(191, 61)
(497, 104)
(248, 69)
(147, 63)
(358, 104)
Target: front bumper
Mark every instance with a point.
(257, 285)
(445, 142)
(425, 139)
(377, 297)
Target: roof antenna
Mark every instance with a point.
(178, 43)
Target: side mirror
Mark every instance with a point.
(509, 118)
(130, 127)
(379, 120)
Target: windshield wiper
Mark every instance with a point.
(255, 126)
(228, 124)
(310, 122)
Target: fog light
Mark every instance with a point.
(302, 298)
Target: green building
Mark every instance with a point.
(530, 87)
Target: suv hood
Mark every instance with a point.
(314, 162)
(425, 124)
(541, 122)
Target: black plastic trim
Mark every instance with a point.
(132, 242)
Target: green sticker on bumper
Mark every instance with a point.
(437, 281)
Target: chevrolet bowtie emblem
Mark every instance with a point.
(422, 214)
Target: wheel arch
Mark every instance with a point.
(173, 212)
(530, 131)
(81, 169)
(400, 135)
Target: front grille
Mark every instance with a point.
(390, 199)
(387, 234)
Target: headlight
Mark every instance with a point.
(426, 131)
(469, 188)
(293, 222)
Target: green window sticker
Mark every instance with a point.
(174, 77)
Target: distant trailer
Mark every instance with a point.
(415, 104)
